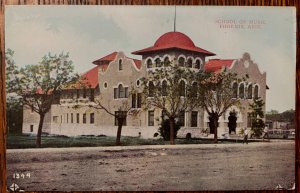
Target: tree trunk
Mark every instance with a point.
(120, 124)
(39, 133)
(215, 125)
(172, 125)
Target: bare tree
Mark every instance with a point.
(123, 110)
(172, 89)
(216, 96)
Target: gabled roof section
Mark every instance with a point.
(104, 61)
(91, 78)
(108, 58)
(173, 40)
(138, 63)
(215, 65)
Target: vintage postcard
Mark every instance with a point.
(150, 98)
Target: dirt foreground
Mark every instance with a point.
(256, 166)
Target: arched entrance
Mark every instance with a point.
(232, 122)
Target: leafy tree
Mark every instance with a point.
(171, 89)
(215, 94)
(40, 84)
(286, 116)
(14, 107)
(257, 115)
(273, 112)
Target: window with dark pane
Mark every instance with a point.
(181, 118)
(139, 100)
(84, 118)
(150, 118)
(194, 119)
(92, 118)
(182, 88)
(151, 89)
(133, 100)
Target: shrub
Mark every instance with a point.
(164, 129)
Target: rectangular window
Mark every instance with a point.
(92, 97)
(72, 118)
(133, 101)
(194, 119)
(126, 92)
(84, 118)
(92, 118)
(55, 119)
(139, 100)
(120, 114)
(120, 65)
(67, 117)
(78, 93)
(249, 120)
(150, 118)
(77, 117)
(181, 118)
(84, 93)
(115, 93)
(31, 128)
(121, 91)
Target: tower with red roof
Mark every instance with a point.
(176, 47)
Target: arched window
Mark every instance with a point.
(181, 61)
(151, 89)
(164, 88)
(121, 91)
(241, 91)
(198, 64)
(235, 90)
(149, 63)
(182, 88)
(120, 65)
(190, 63)
(167, 61)
(249, 92)
(158, 62)
(256, 92)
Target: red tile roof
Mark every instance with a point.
(173, 40)
(110, 57)
(91, 77)
(107, 58)
(215, 65)
(138, 63)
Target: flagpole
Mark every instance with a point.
(175, 20)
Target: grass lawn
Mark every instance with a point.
(26, 141)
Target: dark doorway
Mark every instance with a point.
(232, 122)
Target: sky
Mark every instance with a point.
(91, 32)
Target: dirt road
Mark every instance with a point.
(180, 167)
